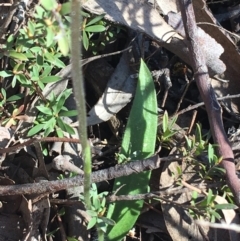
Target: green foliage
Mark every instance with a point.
(98, 201)
(207, 208)
(138, 143)
(95, 25)
(49, 117)
(167, 130)
(35, 53)
(195, 146)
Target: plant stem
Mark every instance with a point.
(78, 88)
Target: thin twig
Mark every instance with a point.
(102, 175)
(192, 107)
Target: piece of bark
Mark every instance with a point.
(141, 17)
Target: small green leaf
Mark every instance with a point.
(57, 62)
(108, 221)
(49, 126)
(92, 213)
(35, 129)
(65, 127)
(6, 73)
(50, 37)
(95, 20)
(49, 4)
(50, 79)
(210, 153)
(95, 28)
(68, 113)
(22, 79)
(40, 59)
(226, 206)
(63, 45)
(60, 103)
(86, 15)
(59, 132)
(15, 55)
(92, 222)
(4, 94)
(210, 197)
(194, 194)
(14, 81)
(214, 216)
(31, 27)
(35, 49)
(65, 8)
(85, 40)
(45, 110)
(39, 12)
(46, 70)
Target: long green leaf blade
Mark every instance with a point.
(138, 143)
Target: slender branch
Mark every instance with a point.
(80, 97)
(192, 107)
(207, 93)
(99, 176)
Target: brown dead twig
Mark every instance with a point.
(209, 98)
(102, 175)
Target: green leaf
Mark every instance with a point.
(226, 206)
(46, 71)
(49, 126)
(65, 127)
(50, 37)
(68, 113)
(210, 197)
(35, 129)
(92, 213)
(85, 40)
(49, 4)
(35, 49)
(214, 216)
(139, 136)
(194, 194)
(95, 29)
(50, 79)
(22, 79)
(15, 55)
(59, 63)
(95, 20)
(63, 44)
(40, 59)
(15, 97)
(14, 81)
(31, 27)
(65, 8)
(92, 223)
(45, 110)
(39, 12)
(210, 153)
(6, 73)
(59, 132)
(60, 103)
(108, 221)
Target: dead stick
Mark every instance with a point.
(107, 174)
(209, 98)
